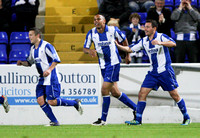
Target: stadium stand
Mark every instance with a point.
(3, 47)
(66, 25)
(19, 46)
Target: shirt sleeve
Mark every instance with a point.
(51, 52)
(119, 35)
(166, 38)
(88, 40)
(30, 58)
(137, 46)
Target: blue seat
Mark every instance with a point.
(20, 47)
(3, 38)
(19, 37)
(14, 56)
(143, 16)
(3, 54)
(193, 3)
(169, 3)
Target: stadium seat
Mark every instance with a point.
(19, 37)
(193, 3)
(3, 38)
(169, 3)
(14, 56)
(173, 36)
(20, 47)
(3, 54)
(143, 16)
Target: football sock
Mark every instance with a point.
(182, 107)
(65, 102)
(105, 107)
(139, 111)
(124, 98)
(48, 111)
(1, 100)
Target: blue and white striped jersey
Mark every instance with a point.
(158, 54)
(105, 45)
(43, 57)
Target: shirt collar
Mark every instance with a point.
(155, 35)
(106, 29)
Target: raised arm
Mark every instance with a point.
(167, 44)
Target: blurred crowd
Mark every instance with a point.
(178, 19)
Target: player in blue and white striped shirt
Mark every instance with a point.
(104, 37)
(45, 58)
(161, 72)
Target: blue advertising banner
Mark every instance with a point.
(78, 81)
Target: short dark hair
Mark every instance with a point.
(36, 31)
(153, 23)
(134, 15)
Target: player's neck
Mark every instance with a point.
(101, 30)
(37, 43)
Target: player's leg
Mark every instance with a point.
(122, 97)
(54, 99)
(4, 102)
(40, 94)
(105, 90)
(181, 104)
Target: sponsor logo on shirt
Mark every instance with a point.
(104, 43)
(152, 51)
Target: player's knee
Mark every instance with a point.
(52, 102)
(40, 101)
(142, 95)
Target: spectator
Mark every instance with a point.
(162, 16)
(186, 20)
(99, 2)
(136, 33)
(140, 5)
(5, 15)
(26, 12)
(115, 10)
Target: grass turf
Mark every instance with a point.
(110, 131)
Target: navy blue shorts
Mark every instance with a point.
(165, 79)
(111, 73)
(50, 91)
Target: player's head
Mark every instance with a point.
(99, 21)
(150, 27)
(34, 35)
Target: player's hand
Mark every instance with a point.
(92, 53)
(117, 43)
(156, 42)
(46, 73)
(128, 59)
(19, 63)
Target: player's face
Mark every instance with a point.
(99, 21)
(33, 38)
(149, 30)
(159, 4)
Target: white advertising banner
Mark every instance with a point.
(78, 81)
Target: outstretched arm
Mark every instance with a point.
(127, 58)
(167, 44)
(124, 48)
(23, 63)
(91, 52)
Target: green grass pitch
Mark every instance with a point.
(108, 131)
